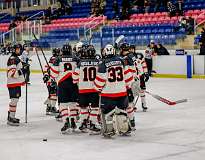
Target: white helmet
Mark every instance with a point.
(79, 46)
(108, 50)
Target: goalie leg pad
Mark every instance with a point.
(107, 123)
(121, 121)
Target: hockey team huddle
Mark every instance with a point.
(95, 93)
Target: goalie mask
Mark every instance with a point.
(108, 51)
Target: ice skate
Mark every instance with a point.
(144, 108)
(66, 128)
(73, 124)
(13, 121)
(94, 129)
(48, 110)
(83, 126)
(59, 117)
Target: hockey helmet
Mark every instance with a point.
(67, 49)
(91, 52)
(108, 51)
(17, 49)
(125, 47)
(78, 46)
(56, 51)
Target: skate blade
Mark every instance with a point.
(94, 133)
(13, 124)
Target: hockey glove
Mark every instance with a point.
(146, 77)
(130, 95)
(46, 78)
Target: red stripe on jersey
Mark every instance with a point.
(87, 91)
(122, 94)
(15, 85)
(129, 70)
(129, 79)
(55, 71)
(93, 115)
(75, 81)
(98, 86)
(84, 112)
(74, 115)
(100, 79)
(65, 77)
(64, 115)
(75, 73)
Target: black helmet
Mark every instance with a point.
(56, 51)
(83, 53)
(91, 52)
(67, 49)
(16, 46)
(125, 47)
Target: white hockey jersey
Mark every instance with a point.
(15, 76)
(113, 78)
(63, 68)
(85, 74)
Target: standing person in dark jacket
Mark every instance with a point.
(161, 50)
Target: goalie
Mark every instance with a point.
(112, 81)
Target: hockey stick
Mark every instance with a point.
(41, 50)
(166, 100)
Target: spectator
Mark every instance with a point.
(171, 9)
(147, 4)
(180, 8)
(161, 50)
(150, 51)
(116, 9)
(190, 26)
(125, 9)
(12, 25)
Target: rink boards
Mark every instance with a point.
(173, 66)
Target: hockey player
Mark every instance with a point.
(25, 58)
(67, 91)
(141, 74)
(84, 76)
(129, 61)
(49, 79)
(112, 80)
(15, 79)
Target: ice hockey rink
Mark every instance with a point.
(163, 133)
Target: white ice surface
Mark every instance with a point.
(163, 133)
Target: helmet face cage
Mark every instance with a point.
(109, 50)
(66, 50)
(91, 52)
(125, 47)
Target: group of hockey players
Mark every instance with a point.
(95, 93)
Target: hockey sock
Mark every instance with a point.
(84, 113)
(12, 107)
(73, 110)
(143, 100)
(130, 111)
(64, 111)
(94, 113)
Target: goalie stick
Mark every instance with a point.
(166, 100)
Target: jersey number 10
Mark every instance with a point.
(89, 73)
